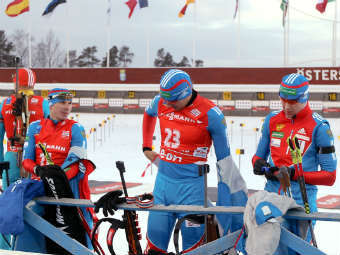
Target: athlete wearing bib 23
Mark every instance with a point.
(189, 124)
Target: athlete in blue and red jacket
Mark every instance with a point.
(65, 142)
(189, 124)
(314, 135)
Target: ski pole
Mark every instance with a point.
(204, 170)
(302, 182)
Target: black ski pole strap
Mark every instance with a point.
(195, 218)
(141, 201)
(326, 150)
(115, 225)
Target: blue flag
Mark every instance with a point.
(143, 3)
(52, 5)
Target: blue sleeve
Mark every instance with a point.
(46, 108)
(217, 128)
(263, 148)
(324, 138)
(78, 145)
(29, 146)
(152, 108)
(2, 135)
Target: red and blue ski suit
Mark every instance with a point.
(186, 139)
(66, 143)
(38, 109)
(317, 148)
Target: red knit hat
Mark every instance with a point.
(27, 78)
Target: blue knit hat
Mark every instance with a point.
(294, 87)
(57, 95)
(175, 85)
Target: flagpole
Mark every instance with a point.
(239, 33)
(108, 34)
(194, 36)
(285, 36)
(67, 39)
(148, 41)
(29, 40)
(334, 37)
(288, 32)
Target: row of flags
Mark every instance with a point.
(18, 7)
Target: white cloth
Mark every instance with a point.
(264, 239)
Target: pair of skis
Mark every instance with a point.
(296, 155)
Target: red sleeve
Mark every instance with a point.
(149, 124)
(28, 165)
(72, 170)
(320, 177)
(254, 159)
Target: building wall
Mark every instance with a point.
(237, 91)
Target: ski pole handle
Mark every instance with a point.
(121, 168)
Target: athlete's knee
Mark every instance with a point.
(195, 245)
(152, 249)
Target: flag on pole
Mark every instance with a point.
(236, 9)
(322, 4)
(183, 10)
(52, 5)
(108, 12)
(284, 8)
(143, 3)
(17, 7)
(131, 4)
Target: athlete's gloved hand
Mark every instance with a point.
(258, 166)
(40, 170)
(109, 201)
(287, 170)
(18, 106)
(270, 173)
(273, 173)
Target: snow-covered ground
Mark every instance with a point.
(121, 139)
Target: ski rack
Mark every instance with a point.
(222, 244)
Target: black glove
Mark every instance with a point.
(269, 173)
(40, 170)
(109, 201)
(18, 106)
(258, 166)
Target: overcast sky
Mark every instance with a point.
(82, 23)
